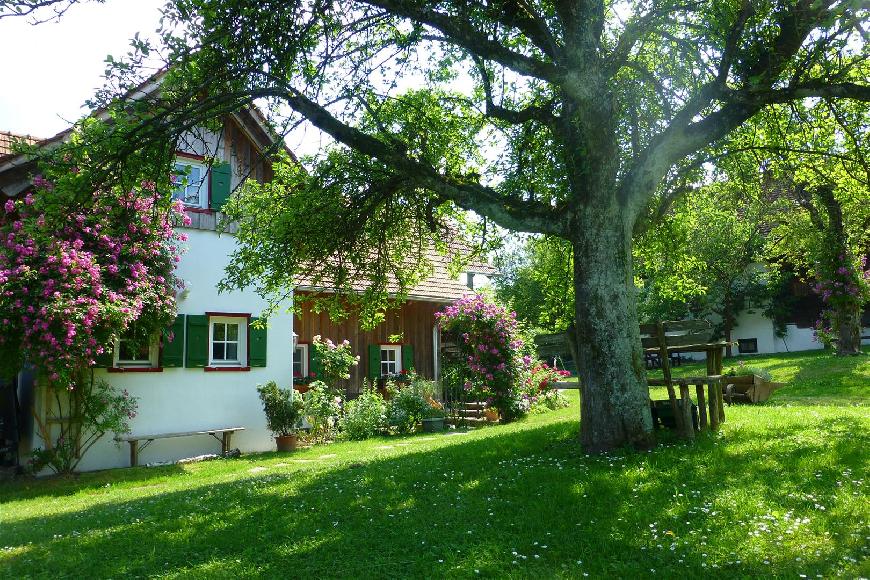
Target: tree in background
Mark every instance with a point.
(568, 119)
(702, 258)
(535, 281)
(705, 258)
(819, 174)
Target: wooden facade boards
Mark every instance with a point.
(414, 321)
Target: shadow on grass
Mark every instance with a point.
(523, 503)
(26, 487)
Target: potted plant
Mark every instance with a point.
(433, 417)
(283, 412)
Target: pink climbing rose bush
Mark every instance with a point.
(491, 362)
(843, 284)
(76, 273)
(87, 254)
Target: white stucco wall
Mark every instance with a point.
(182, 399)
(756, 325)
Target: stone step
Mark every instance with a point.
(472, 421)
(470, 412)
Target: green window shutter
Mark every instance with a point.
(314, 365)
(196, 341)
(374, 361)
(172, 353)
(220, 185)
(107, 359)
(257, 346)
(407, 357)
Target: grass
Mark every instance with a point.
(780, 491)
(813, 377)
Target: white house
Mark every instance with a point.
(206, 377)
(755, 333)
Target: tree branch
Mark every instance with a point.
(461, 33)
(733, 41)
(9, 8)
(686, 134)
(634, 30)
(543, 115)
(524, 18)
(509, 212)
(820, 89)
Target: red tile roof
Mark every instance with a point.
(7, 139)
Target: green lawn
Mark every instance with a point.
(781, 491)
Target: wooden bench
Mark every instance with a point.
(226, 435)
(667, 338)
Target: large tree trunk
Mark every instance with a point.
(847, 323)
(615, 402)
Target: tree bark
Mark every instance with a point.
(847, 323)
(615, 408)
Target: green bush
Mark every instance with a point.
(365, 416)
(283, 410)
(322, 408)
(406, 408)
(548, 400)
(101, 409)
(743, 369)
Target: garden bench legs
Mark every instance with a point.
(135, 449)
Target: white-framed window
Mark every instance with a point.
(228, 341)
(190, 181)
(300, 361)
(391, 359)
(130, 352)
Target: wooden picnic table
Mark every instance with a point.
(679, 336)
(713, 381)
(226, 434)
(713, 350)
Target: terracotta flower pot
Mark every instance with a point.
(286, 442)
(491, 414)
(301, 389)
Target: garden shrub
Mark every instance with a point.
(102, 409)
(423, 387)
(81, 264)
(743, 369)
(549, 400)
(322, 408)
(405, 409)
(365, 416)
(335, 360)
(283, 409)
(539, 392)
